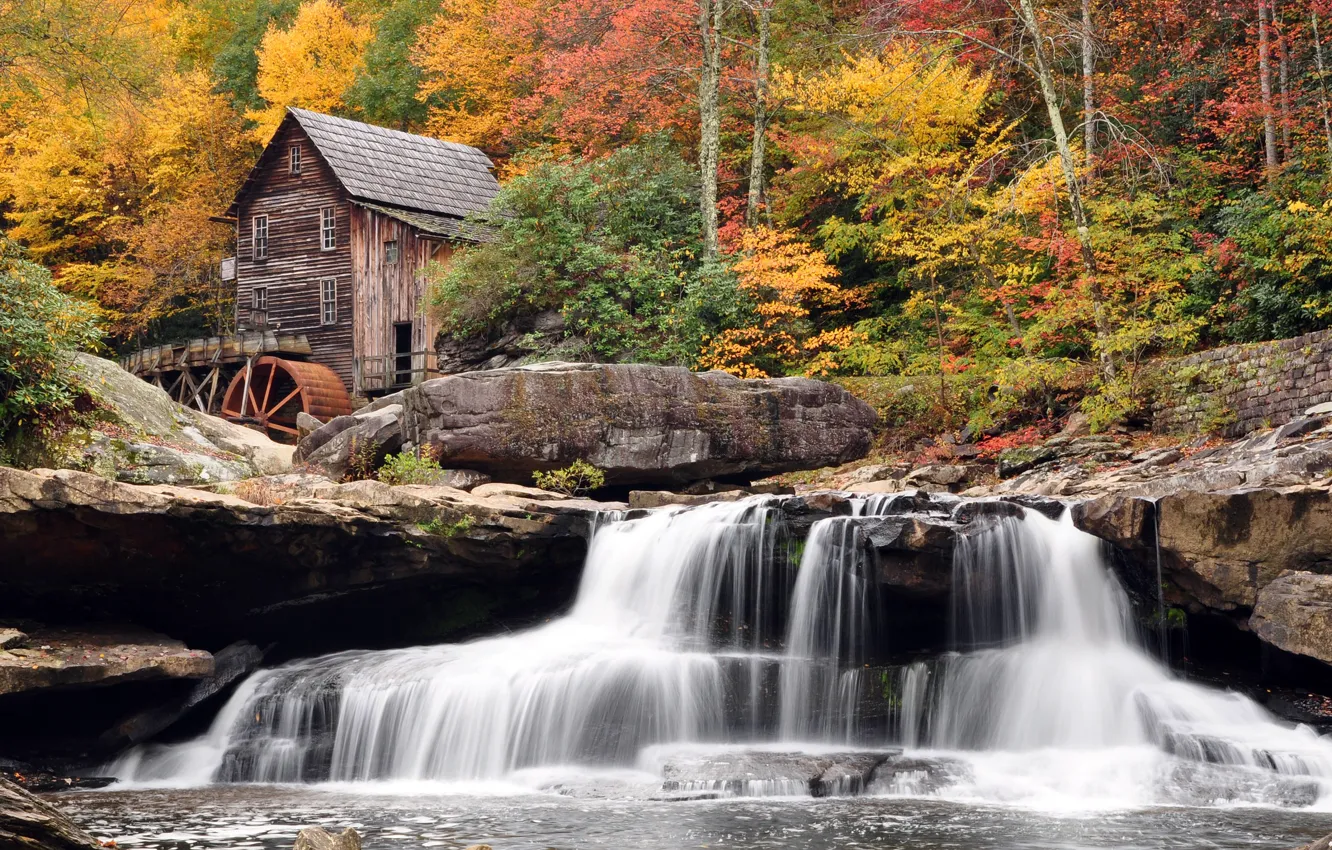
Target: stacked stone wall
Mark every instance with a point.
(1238, 389)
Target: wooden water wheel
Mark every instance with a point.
(272, 391)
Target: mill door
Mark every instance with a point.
(402, 354)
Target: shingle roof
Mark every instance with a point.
(401, 169)
(437, 225)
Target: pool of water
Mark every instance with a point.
(259, 817)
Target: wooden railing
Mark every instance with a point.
(389, 372)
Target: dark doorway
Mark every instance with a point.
(402, 350)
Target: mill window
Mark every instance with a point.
(391, 251)
(328, 230)
(259, 237)
(294, 159)
(328, 301)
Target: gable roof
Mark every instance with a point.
(394, 168)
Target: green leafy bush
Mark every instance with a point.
(416, 467)
(39, 328)
(576, 478)
(613, 244)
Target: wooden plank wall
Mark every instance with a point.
(386, 294)
(296, 263)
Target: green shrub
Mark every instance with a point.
(39, 327)
(418, 467)
(576, 478)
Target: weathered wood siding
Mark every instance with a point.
(296, 263)
(384, 293)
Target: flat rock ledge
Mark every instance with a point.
(65, 658)
(216, 567)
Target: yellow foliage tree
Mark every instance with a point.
(483, 54)
(310, 65)
(789, 281)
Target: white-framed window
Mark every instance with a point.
(294, 159)
(259, 236)
(259, 298)
(391, 252)
(328, 229)
(328, 301)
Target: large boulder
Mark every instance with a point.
(642, 424)
(1294, 613)
(64, 658)
(31, 824)
(140, 436)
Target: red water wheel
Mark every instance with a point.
(272, 391)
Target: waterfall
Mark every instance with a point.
(676, 635)
(708, 627)
(1046, 661)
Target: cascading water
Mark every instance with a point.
(1049, 693)
(690, 629)
(675, 636)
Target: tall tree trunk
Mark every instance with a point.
(1088, 90)
(756, 164)
(1265, 88)
(1045, 78)
(709, 119)
(1283, 65)
(1322, 88)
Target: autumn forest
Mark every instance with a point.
(1020, 199)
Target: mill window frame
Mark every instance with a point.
(328, 301)
(259, 237)
(294, 160)
(391, 252)
(328, 229)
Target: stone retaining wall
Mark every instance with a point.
(1241, 388)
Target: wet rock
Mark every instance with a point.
(32, 824)
(763, 773)
(12, 638)
(1189, 783)
(1324, 843)
(63, 658)
(318, 838)
(917, 776)
(230, 665)
(1294, 613)
(36, 780)
(642, 424)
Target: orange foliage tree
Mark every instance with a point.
(794, 290)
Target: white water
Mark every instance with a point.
(1052, 700)
(688, 631)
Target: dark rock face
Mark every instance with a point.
(642, 424)
(1219, 548)
(387, 564)
(32, 824)
(1294, 613)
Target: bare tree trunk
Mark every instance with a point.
(709, 119)
(1322, 88)
(1088, 90)
(1265, 87)
(756, 164)
(1283, 65)
(1045, 77)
